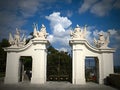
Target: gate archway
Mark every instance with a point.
(36, 48)
(58, 65)
(92, 69)
(82, 49)
(25, 66)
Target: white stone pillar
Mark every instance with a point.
(80, 67)
(39, 63)
(12, 68)
(73, 67)
(100, 70)
(78, 64)
(107, 64)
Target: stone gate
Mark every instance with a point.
(36, 48)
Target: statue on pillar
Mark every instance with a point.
(35, 26)
(102, 41)
(17, 37)
(17, 41)
(11, 40)
(40, 34)
(77, 33)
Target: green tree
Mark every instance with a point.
(3, 43)
(58, 64)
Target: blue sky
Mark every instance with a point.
(61, 16)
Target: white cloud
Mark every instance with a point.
(86, 5)
(115, 38)
(51, 38)
(63, 49)
(60, 30)
(102, 8)
(60, 27)
(55, 19)
(112, 31)
(99, 7)
(116, 34)
(60, 36)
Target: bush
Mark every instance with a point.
(114, 80)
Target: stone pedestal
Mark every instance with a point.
(39, 62)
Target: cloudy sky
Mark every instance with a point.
(61, 16)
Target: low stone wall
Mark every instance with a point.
(114, 80)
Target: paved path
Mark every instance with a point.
(55, 86)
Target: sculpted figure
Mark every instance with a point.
(11, 40)
(17, 37)
(102, 41)
(35, 30)
(17, 41)
(77, 33)
(40, 34)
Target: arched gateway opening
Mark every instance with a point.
(92, 69)
(25, 66)
(58, 67)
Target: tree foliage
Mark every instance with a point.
(58, 65)
(3, 43)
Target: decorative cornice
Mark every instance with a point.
(94, 49)
(32, 41)
(38, 41)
